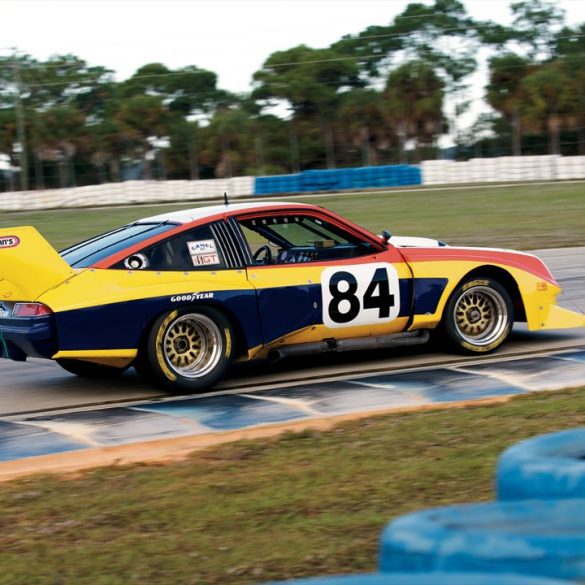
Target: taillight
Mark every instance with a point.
(30, 310)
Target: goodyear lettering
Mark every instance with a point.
(191, 297)
(9, 241)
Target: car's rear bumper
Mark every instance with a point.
(27, 337)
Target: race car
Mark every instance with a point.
(180, 296)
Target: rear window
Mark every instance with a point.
(96, 249)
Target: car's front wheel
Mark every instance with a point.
(479, 316)
(188, 350)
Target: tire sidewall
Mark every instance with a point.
(162, 372)
(453, 335)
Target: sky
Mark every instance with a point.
(230, 37)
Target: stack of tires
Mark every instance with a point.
(533, 535)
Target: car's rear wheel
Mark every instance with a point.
(478, 316)
(90, 369)
(187, 350)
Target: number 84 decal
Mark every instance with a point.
(363, 294)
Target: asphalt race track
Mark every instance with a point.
(40, 386)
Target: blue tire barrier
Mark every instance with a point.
(339, 179)
(548, 467)
(425, 579)
(545, 538)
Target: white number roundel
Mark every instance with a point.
(362, 294)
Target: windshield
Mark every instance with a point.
(95, 249)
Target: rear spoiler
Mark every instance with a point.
(29, 265)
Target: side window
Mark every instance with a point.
(292, 239)
(197, 249)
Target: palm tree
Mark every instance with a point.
(505, 92)
(549, 99)
(361, 121)
(414, 102)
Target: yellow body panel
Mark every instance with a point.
(553, 317)
(101, 287)
(537, 295)
(118, 358)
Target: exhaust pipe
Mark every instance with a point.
(352, 344)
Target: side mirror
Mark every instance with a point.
(386, 235)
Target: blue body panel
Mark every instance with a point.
(23, 337)
(123, 325)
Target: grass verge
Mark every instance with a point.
(523, 216)
(304, 503)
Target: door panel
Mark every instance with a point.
(299, 303)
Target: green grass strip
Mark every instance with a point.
(307, 503)
(522, 216)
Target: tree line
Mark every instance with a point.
(382, 96)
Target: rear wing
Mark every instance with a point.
(29, 265)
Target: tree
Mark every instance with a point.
(142, 119)
(505, 92)
(414, 102)
(549, 99)
(416, 34)
(56, 135)
(186, 91)
(570, 48)
(364, 123)
(535, 24)
(310, 81)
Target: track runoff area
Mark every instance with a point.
(48, 417)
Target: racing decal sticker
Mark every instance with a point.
(136, 262)
(191, 297)
(203, 252)
(364, 294)
(205, 259)
(9, 241)
(202, 247)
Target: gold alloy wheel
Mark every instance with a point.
(192, 345)
(481, 316)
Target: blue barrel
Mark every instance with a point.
(549, 466)
(542, 538)
(425, 579)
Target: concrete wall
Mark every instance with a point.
(505, 168)
(127, 192)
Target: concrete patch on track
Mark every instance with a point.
(290, 406)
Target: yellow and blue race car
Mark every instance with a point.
(179, 296)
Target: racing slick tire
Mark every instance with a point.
(478, 317)
(90, 369)
(187, 350)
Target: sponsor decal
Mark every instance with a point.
(9, 241)
(205, 259)
(202, 247)
(191, 297)
(203, 252)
